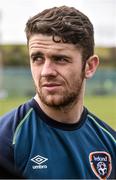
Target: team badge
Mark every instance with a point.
(101, 164)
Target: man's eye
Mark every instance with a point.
(61, 59)
(37, 59)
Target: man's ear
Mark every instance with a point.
(91, 66)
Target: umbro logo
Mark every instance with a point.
(39, 160)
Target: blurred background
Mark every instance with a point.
(16, 84)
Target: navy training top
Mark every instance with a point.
(42, 148)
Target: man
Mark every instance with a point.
(53, 136)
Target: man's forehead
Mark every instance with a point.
(46, 42)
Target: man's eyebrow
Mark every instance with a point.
(60, 56)
(36, 54)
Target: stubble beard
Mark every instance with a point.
(66, 99)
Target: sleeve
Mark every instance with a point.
(8, 124)
(7, 171)
(6, 136)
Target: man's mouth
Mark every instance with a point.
(51, 86)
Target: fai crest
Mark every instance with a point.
(101, 164)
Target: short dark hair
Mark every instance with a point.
(71, 25)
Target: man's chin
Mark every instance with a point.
(53, 101)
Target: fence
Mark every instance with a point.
(18, 82)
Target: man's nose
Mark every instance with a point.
(48, 69)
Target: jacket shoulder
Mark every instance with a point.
(8, 125)
(102, 125)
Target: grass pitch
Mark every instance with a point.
(102, 106)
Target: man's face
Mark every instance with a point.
(56, 70)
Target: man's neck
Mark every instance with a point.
(70, 114)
